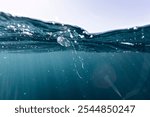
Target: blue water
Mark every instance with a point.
(49, 60)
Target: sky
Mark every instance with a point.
(92, 15)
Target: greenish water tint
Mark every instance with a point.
(40, 60)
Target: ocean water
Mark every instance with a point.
(48, 60)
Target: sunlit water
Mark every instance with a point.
(40, 60)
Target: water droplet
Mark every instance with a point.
(23, 26)
(12, 27)
(85, 32)
(69, 30)
(75, 42)
(81, 36)
(53, 22)
(91, 36)
(71, 36)
(27, 33)
(49, 33)
(135, 28)
(18, 25)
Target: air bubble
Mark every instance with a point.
(63, 41)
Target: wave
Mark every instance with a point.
(21, 34)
